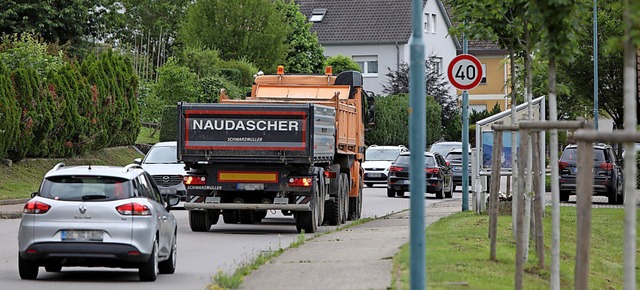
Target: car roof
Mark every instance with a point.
(386, 147)
(426, 153)
(127, 172)
(597, 146)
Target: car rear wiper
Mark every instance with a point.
(94, 196)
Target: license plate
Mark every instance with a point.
(167, 190)
(81, 235)
(250, 186)
(375, 174)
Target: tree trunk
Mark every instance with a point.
(493, 194)
(514, 152)
(555, 190)
(539, 202)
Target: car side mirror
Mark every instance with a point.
(171, 200)
(137, 161)
(34, 194)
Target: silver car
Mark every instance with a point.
(162, 163)
(98, 216)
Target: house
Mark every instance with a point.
(376, 34)
(493, 88)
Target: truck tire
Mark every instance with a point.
(307, 221)
(199, 221)
(355, 204)
(334, 206)
(214, 216)
(230, 216)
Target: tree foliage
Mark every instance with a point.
(340, 63)
(392, 120)
(243, 28)
(305, 54)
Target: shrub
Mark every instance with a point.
(169, 124)
(340, 63)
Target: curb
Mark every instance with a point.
(13, 201)
(12, 214)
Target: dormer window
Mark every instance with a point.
(317, 15)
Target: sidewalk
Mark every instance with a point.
(360, 257)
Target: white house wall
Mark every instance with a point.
(387, 58)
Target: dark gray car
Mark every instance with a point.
(98, 216)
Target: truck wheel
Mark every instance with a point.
(246, 217)
(355, 204)
(332, 212)
(199, 221)
(230, 216)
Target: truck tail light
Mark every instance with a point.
(133, 209)
(194, 180)
(330, 174)
(300, 181)
(35, 207)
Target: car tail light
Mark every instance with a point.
(133, 209)
(300, 181)
(35, 207)
(395, 168)
(432, 170)
(562, 165)
(194, 180)
(448, 163)
(606, 166)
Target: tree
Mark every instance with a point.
(305, 54)
(437, 86)
(244, 28)
(340, 63)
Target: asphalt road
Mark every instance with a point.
(200, 255)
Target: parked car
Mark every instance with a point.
(454, 157)
(377, 160)
(439, 179)
(608, 178)
(98, 216)
(443, 147)
(162, 163)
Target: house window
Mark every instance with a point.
(427, 26)
(433, 23)
(368, 64)
(317, 15)
(484, 74)
(436, 65)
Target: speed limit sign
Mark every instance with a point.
(465, 72)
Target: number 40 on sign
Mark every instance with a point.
(465, 72)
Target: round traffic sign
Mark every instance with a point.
(465, 72)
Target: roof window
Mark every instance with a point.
(317, 15)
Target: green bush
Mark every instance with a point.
(340, 63)
(392, 121)
(176, 83)
(9, 112)
(209, 89)
(245, 71)
(203, 62)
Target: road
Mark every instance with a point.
(200, 255)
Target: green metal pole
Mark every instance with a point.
(417, 143)
(595, 63)
(465, 140)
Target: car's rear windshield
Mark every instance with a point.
(571, 154)
(454, 156)
(87, 188)
(443, 149)
(162, 155)
(405, 160)
(379, 154)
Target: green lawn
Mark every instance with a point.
(148, 136)
(24, 177)
(458, 253)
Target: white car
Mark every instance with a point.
(162, 163)
(377, 161)
(98, 216)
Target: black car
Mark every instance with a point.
(454, 157)
(439, 179)
(607, 173)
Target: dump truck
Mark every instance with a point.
(294, 143)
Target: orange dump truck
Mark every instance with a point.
(295, 145)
